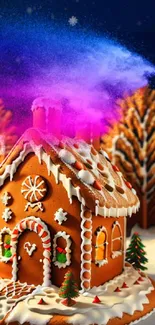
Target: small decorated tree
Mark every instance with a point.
(135, 253)
(69, 289)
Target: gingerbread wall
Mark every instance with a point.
(114, 266)
(30, 267)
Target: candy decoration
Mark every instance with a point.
(41, 302)
(96, 300)
(97, 185)
(117, 290)
(125, 286)
(140, 279)
(76, 145)
(115, 168)
(136, 282)
(61, 145)
(128, 185)
(61, 250)
(78, 165)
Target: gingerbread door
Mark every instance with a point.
(31, 251)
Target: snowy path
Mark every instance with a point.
(148, 238)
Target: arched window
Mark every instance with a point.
(101, 246)
(61, 249)
(117, 240)
(5, 244)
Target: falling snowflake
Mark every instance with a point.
(5, 198)
(73, 21)
(7, 214)
(60, 216)
(29, 10)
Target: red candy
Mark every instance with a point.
(115, 168)
(76, 145)
(140, 279)
(78, 165)
(136, 282)
(128, 184)
(61, 145)
(96, 300)
(97, 185)
(117, 290)
(41, 302)
(125, 286)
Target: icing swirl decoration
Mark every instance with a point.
(34, 188)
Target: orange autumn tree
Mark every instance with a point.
(8, 134)
(131, 145)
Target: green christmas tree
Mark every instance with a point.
(135, 253)
(69, 289)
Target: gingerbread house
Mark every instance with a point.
(62, 205)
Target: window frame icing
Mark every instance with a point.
(115, 254)
(68, 240)
(4, 231)
(105, 260)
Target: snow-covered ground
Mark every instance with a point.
(148, 238)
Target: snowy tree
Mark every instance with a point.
(8, 134)
(131, 145)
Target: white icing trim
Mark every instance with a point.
(115, 254)
(30, 248)
(39, 206)
(85, 241)
(32, 224)
(105, 260)
(30, 146)
(4, 231)
(67, 249)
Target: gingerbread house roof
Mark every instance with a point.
(84, 172)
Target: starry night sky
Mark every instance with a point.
(129, 21)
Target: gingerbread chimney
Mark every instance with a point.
(91, 133)
(47, 115)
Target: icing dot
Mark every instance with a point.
(67, 156)
(86, 177)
